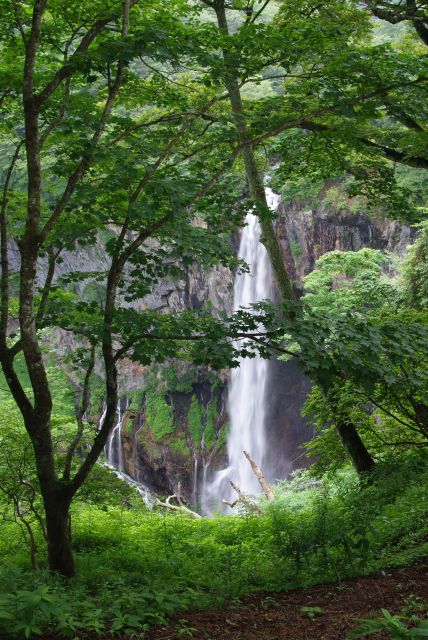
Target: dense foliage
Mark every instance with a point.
(135, 567)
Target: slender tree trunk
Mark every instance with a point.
(361, 458)
(255, 182)
(33, 546)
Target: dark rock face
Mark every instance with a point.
(304, 236)
(286, 429)
(179, 460)
(152, 462)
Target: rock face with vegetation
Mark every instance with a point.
(306, 233)
(177, 430)
(176, 434)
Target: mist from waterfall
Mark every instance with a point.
(247, 388)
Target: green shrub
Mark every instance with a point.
(396, 626)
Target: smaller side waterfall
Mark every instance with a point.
(114, 449)
(247, 388)
(113, 452)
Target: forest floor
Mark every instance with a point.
(324, 612)
(280, 616)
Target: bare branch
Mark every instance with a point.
(259, 475)
(181, 508)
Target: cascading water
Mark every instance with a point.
(113, 452)
(247, 390)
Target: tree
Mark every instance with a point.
(20, 499)
(404, 11)
(373, 345)
(340, 105)
(76, 138)
(114, 119)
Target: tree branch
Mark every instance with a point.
(68, 69)
(87, 157)
(81, 409)
(4, 254)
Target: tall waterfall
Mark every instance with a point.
(247, 390)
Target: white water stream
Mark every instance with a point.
(247, 390)
(113, 452)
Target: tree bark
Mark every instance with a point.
(60, 554)
(348, 433)
(361, 458)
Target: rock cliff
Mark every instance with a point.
(304, 235)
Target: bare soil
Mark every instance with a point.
(331, 610)
(279, 616)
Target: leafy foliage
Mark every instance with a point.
(395, 625)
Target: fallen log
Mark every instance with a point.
(180, 507)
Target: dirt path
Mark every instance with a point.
(278, 616)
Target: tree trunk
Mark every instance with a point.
(255, 182)
(351, 440)
(361, 458)
(57, 526)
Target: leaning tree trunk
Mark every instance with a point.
(351, 440)
(361, 458)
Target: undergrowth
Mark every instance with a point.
(134, 567)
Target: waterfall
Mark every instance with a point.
(247, 388)
(113, 452)
(114, 449)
